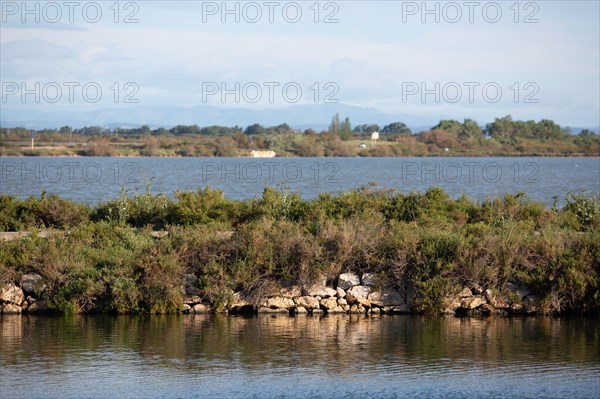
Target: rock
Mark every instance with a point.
(531, 304)
(369, 279)
(472, 302)
(202, 308)
(357, 292)
(301, 310)
(411, 295)
(386, 297)
(451, 305)
(185, 308)
(364, 302)
(191, 299)
(280, 303)
(476, 289)
(40, 306)
(322, 291)
(13, 294)
(270, 310)
(465, 293)
(11, 308)
(340, 293)
(375, 311)
(317, 311)
(329, 303)
(355, 309)
(337, 309)
(342, 301)
(32, 284)
(291, 292)
(348, 280)
(490, 297)
(502, 303)
(345, 307)
(307, 302)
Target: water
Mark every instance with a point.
(298, 357)
(92, 179)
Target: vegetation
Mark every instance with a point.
(503, 137)
(103, 258)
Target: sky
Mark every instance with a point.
(464, 59)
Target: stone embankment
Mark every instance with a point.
(350, 294)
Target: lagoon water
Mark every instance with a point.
(203, 356)
(93, 179)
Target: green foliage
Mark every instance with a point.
(108, 261)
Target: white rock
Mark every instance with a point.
(13, 294)
(472, 302)
(466, 292)
(348, 280)
(369, 279)
(280, 303)
(11, 308)
(318, 311)
(329, 303)
(301, 310)
(202, 308)
(307, 302)
(340, 293)
(322, 291)
(342, 301)
(357, 292)
(386, 297)
(290, 292)
(337, 309)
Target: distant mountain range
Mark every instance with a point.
(316, 116)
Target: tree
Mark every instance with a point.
(396, 128)
(345, 129)
(342, 129)
(255, 129)
(366, 129)
(470, 131)
(449, 125)
(334, 127)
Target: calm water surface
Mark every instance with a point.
(93, 179)
(298, 357)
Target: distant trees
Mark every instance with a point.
(467, 132)
(396, 128)
(507, 131)
(341, 128)
(366, 129)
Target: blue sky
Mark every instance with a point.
(543, 56)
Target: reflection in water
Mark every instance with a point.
(351, 356)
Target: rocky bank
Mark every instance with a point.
(350, 293)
